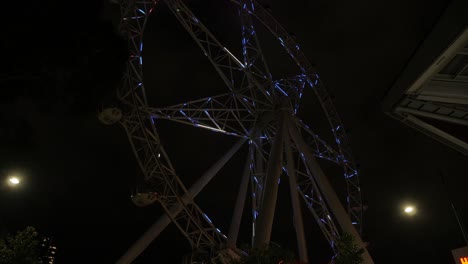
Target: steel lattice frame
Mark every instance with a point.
(247, 111)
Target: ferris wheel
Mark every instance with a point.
(261, 112)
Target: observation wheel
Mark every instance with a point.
(259, 110)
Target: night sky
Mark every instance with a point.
(61, 62)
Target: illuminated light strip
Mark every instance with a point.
(347, 176)
(234, 57)
(133, 18)
(207, 218)
(211, 128)
(212, 120)
(281, 90)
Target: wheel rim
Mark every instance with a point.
(240, 109)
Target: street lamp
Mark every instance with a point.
(409, 210)
(14, 180)
(10, 182)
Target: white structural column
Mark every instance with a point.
(240, 203)
(145, 240)
(327, 190)
(267, 210)
(296, 206)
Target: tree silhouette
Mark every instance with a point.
(271, 254)
(22, 248)
(348, 251)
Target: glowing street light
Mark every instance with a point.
(14, 180)
(409, 209)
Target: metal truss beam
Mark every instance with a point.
(320, 149)
(231, 114)
(329, 194)
(310, 192)
(191, 221)
(293, 88)
(153, 160)
(134, 15)
(232, 71)
(144, 241)
(308, 70)
(254, 60)
(251, 101)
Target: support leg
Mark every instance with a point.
(267, 211)
(240, 202)
(143, 242)
(327, 190)
(297, 214)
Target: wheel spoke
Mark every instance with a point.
(230, 68)
(229, 114)
(254, 60)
